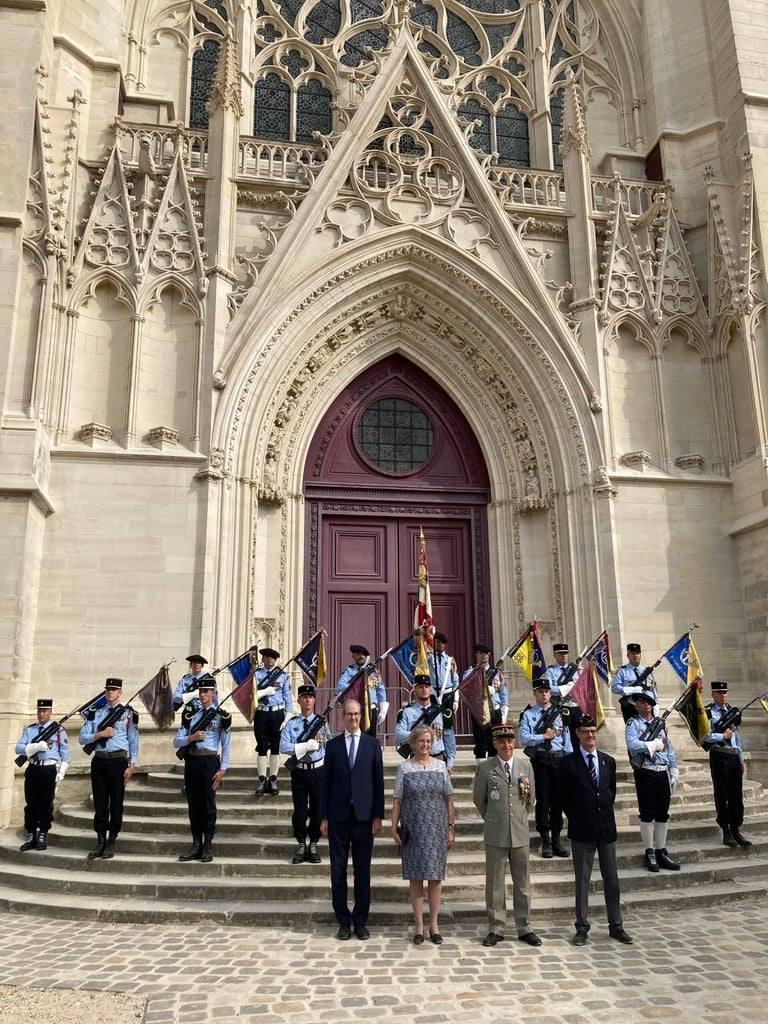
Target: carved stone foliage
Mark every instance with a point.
(270, 214)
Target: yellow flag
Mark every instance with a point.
(523, 657)
(599, 710)
(422, 665)
(321, 669)
(765, 706)
(695, 671)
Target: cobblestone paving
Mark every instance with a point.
(693, 966)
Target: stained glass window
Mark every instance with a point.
(424, 14)
(362, 9)
(355, 48)
(395, 435)
(272, 109)
(218, 6)
(512, 141)
(556, 105)
(323, 21)
(313, 111)
(481, 137)
(204, 64)
(463, 40)
(289, 9)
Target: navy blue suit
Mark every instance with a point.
(349, 800)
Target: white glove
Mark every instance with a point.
(674, 776)
(187, 696)
(306, 748)
(654, 747)
(61, 771)
(383, 709)
(35, 748)
(266, 692)
(504, 712)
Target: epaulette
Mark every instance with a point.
(226, 719)
(526, 708)
(400, 714)
(90, 714)
(135, 717)
(187, 714)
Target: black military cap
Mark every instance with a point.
(587, 722)
(646, 696)
(113, 684)
(634, 648)
(206, 682)
(719, 687)
(504, 731)
(560, 648)
(198, 658)
(306, 690)
(421, 680)
(359, 649)
(542, 684)
(44, 702)
(441, 637)
(269, 652)
(481, 649)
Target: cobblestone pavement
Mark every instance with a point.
(694, 966)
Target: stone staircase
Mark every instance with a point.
(251, 881)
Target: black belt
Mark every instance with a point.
(202, 753)
(112, 754)
(723, 750)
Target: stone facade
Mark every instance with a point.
(564, 210)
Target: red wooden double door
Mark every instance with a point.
(393, 455)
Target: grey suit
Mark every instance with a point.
(506, 837)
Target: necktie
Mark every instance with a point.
(592, 771)
(351, 751)
(509, 773)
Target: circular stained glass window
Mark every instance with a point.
(395, 435)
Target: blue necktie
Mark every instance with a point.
(592, 770)
(351, 752)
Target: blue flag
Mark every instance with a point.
(98, 703)
(405, 657)
(242, 668)
(538, 661)
(677, 657)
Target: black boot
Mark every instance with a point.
(557, 849)
(41, 841)
(313, 856)
(206, 856)
(272, 786)
(300, 855)
(109, 849)
(546, 846)
(30, 843)
(728, 838)
(650, 860)
(665, 861)
(261, 786)
(101, 842)
(740, 839)
(193, 853)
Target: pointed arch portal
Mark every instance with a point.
(393, 453)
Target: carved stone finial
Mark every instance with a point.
(226, 91)
(574, 135)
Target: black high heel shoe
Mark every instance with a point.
(436, 938)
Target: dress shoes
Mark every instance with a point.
(580, 938)
(193, 853)
(30, 843)
(362, 933)
(418, 939)
(740, 839)
(436, 938)
(729, 839)
(621, 936)
(650, 861)
(492, 938)
(344, 932)
(531, 938)
(665, 861)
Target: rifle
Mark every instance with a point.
(547, 721)
(49, 730)
(428, 716)
(571, 670)
(112, 716)
(309, 734)
(731, 719)
(655, 727)
(208, 716)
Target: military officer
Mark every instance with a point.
(377, 694)
(656, 774)
(306, 773)
(546, 749)
(422, 709)
(445, 680)
(559, 671)
(47, 764)
(499, 702)
(115, 757)
(186, 688)
(726, 765)
(272, 703)
(204, 769)
(626, 683)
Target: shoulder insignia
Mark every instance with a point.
(135, 716)
(187, 715)
(90, 714)
(526, 708)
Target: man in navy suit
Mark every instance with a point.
(351, 809)
(588, 792)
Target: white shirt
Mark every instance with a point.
(586, 754)
(507, 765)
(348, 736)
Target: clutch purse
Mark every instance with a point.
(404, 833)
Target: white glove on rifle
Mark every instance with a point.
(266, 692)
(383, 709)
(35, 748)
(654, 746)
(61, 771)
(187, 696)
(306, 748)
(504, 711)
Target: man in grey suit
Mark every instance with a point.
(588, 792)
(504, 793)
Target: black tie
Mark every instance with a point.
(592, 770)
(509, 773)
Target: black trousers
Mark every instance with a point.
(39, 785)
(266, 729)
(727, 781)
(583, 859)
(483, 740)
(305, 790)
(108, 786)
(356, 836)
(549, 809)
(653, 794)
(374, 722)
(201, 798)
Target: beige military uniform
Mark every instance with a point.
(506, 838)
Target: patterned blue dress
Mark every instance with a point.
(423, 791)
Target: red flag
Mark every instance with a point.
(474, 691)
(358, 690)
(422, 619)
(586, 694)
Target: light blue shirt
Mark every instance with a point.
(408, 719)
(625, 683)
(58, 744)
(443, 673)
(530, 718)
(283, 695)
(376, 691)
(187, 684)
(634, 729)
(126, 738)
(586, 755)
(714, 714)
(555, 673)
(290, 734)
(216, 734)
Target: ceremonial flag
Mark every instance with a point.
(422, 619)
(99, 702)
(523, 656)
(678, 655)
(586, 692)
(600, 655)
(764, 703)
(358, 690)
(311, 659)
(538, 661)
(242, 671)
(405, 657)
(695, 671)
(691, 707)
(422, 664)
(474, 692)
(157, 698)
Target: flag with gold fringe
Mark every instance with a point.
(422, 618)
(157, 698)
(311, 659)
(523, 656)
(586, 693)
(474, 693)
(358, 690)
(691, 708)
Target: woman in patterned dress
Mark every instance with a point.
(424, 827)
